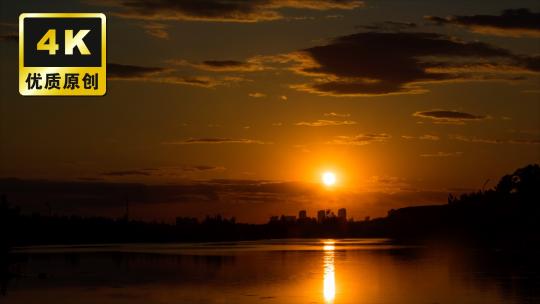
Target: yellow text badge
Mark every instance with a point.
(62, 54)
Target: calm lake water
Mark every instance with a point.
(272, 271)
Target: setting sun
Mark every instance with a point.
(328, 178)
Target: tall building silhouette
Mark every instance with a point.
(321, 216)
(342, 214)
(302, 214)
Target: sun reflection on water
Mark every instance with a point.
(329, 278)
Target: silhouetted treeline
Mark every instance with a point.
(509, 212)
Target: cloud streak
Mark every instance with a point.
(161, 171)
(257, 95)
(360, 139)
(215, 140)
(442, 154)
(219, 10)
(422, 137)
(253, 64)
(325, 123)
(158, 30)
(125, 72)
(334, 114)
(449, 116)
(519, 141)
(512, 22)
(202, 168)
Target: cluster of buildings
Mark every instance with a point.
(323, 216)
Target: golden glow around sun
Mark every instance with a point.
(329, 178)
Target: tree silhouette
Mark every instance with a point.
(523, 184)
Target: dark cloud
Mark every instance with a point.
(219, 10)
(224, 64)
(376, 63)
(117, 71)
(449, 117)
(124, 71)
(95, 194)
(171, 171)
(110, 194)
(519, 141)
(251, 65)
(215, 140)
(201, 168)
(242, 182)
(361, 139)
(511, 22)
(532, 63)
